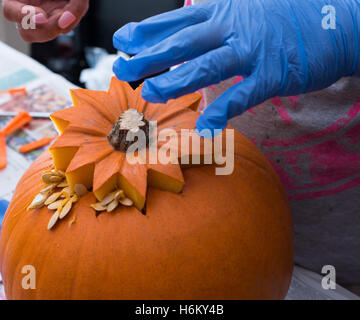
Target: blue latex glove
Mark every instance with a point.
(3, 206)
(279, 45)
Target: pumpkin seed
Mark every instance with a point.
(55, 205)
(111, 201)
(119, 194)
(49, 188)
(62, 184)
(56, 172)
(67, 191)
(38, 201)
(80, 190)
(55, 178)
(74, 198)
(60, 173)
(53, 220)
(46, 176)
(110, 197)
(126, 202)
(52, 198)
(98, 206)
(112, 205)
(65, 210)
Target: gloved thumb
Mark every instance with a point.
(231, 103)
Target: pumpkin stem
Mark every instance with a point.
(125, 131)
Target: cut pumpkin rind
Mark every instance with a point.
(106, 174)
(122, 93)
(97, 100)
(133, 180)
(82, 116)
(85, 154)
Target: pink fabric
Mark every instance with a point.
(331, 159)
(337, 125)
(280, 108)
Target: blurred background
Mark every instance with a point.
(67, 54)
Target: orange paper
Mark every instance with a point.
(21, 119)
(2, 151)
(35, 144)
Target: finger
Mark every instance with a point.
(43, 32)
(73, 12)
(184, 45)
(50, 29)
(231, 103)
(14, 11)
(39, 35)
(210, 68)
(137, 36)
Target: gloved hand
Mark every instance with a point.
(279, 45)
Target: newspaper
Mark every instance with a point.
(10, 177)
(36, 129)
(46, 93)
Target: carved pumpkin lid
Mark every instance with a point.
(84, 153)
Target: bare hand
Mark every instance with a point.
(52, 17)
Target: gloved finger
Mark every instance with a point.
(135, 37)
(184, 45)
(231, 103)
(72, 13)
(210, 68)
(13, 11)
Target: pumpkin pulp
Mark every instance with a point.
(125, 129)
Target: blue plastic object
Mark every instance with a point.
(282, 47)
(3, 207)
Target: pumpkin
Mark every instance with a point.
(190, 234)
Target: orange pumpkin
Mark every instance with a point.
(202, 236)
